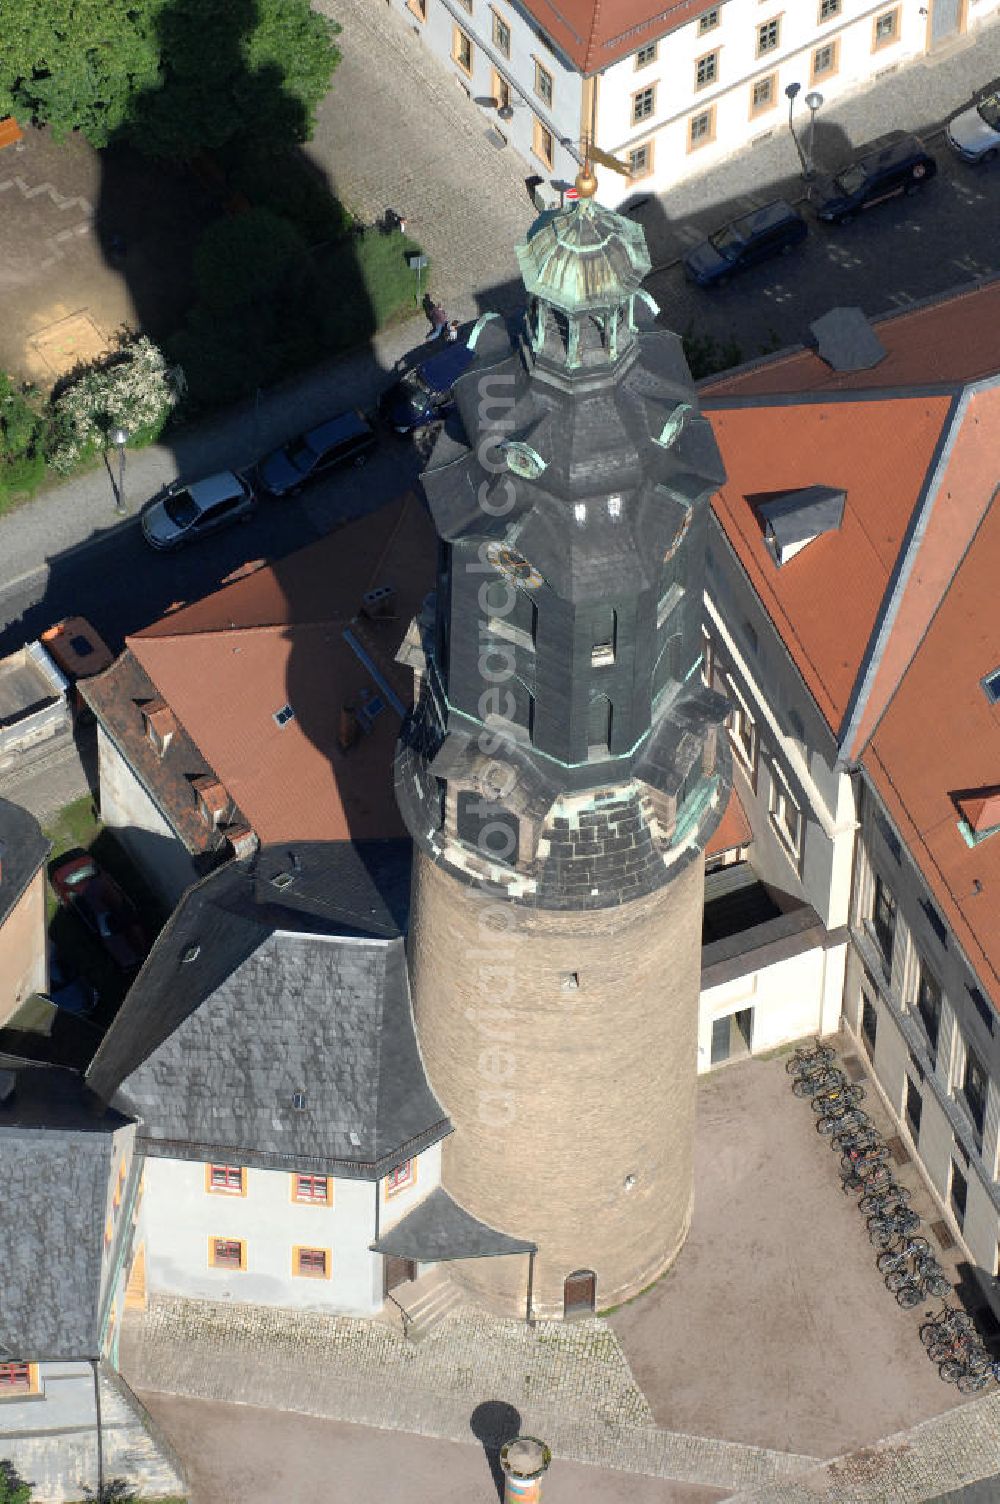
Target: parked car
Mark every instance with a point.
(744, 242)
(425, 394)
(349, 436)
(902, 164)
(975, 133)
(93, 895)
(68, 990)
(186, 512)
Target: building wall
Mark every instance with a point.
(792, 996)
(23, 948)
(51, 1439)
(140, 826)
(795, 751)
(180, 1217)
(436, 31)
(563, 1047)
(903, 1050)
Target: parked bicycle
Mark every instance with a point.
(949, 1323)
(899, 1257)
(883, 1231)
(843, 1118)
(855, 1142)
(862, 1160)
(885, 1201)
(925, 1277)
(804, 1059)
(837, 1097)
(850, 1135)
(819, 1081)
(912, 1289)
(971, 1372)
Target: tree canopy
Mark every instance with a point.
(173, 77)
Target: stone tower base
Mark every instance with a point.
(563, 1045)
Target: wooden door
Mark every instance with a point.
(580, 1293)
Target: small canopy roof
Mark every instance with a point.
(441, 1229)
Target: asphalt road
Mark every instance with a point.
(121, 584)
(894, 255)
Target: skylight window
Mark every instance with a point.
(614, 507)
(991, 686)
(284, 715)
(580, 512)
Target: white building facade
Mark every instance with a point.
(683, 97)
(213, 1231)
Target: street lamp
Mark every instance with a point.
(120, 439)
(791, 94)
(815, 102)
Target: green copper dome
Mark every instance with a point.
(583, 258)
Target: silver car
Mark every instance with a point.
(186, 512)
(975, 134)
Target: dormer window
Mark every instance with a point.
(792, 519)
(159, 725)
(212, 800)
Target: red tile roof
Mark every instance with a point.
(825, 602)
(282, 636)
(939, 741)
(595, 33)
(733, 829)
(953, 339)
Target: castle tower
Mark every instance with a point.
(561, 772)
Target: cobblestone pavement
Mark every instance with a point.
(944, 1453)
(425, 156)
(570, 1384)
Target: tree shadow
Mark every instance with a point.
(493, 1423)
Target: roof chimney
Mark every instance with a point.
(348, 730)
(380, 602)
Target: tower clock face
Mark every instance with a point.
(514, 565)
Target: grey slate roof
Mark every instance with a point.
(56, 1155)
(210, 1051)
(23, 849)
(441, 1229)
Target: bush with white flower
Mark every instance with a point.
(132, 389)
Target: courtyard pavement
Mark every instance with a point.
(772, 1344)
(235, 1453)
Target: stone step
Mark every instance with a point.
(426, 1302)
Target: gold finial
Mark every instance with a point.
(586, 183)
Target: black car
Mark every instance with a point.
(902, 164)
(347, 437)
(754, 237)
(424, 395)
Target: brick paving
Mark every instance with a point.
(425, 155)
(570, 1384)
(941, 1454)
